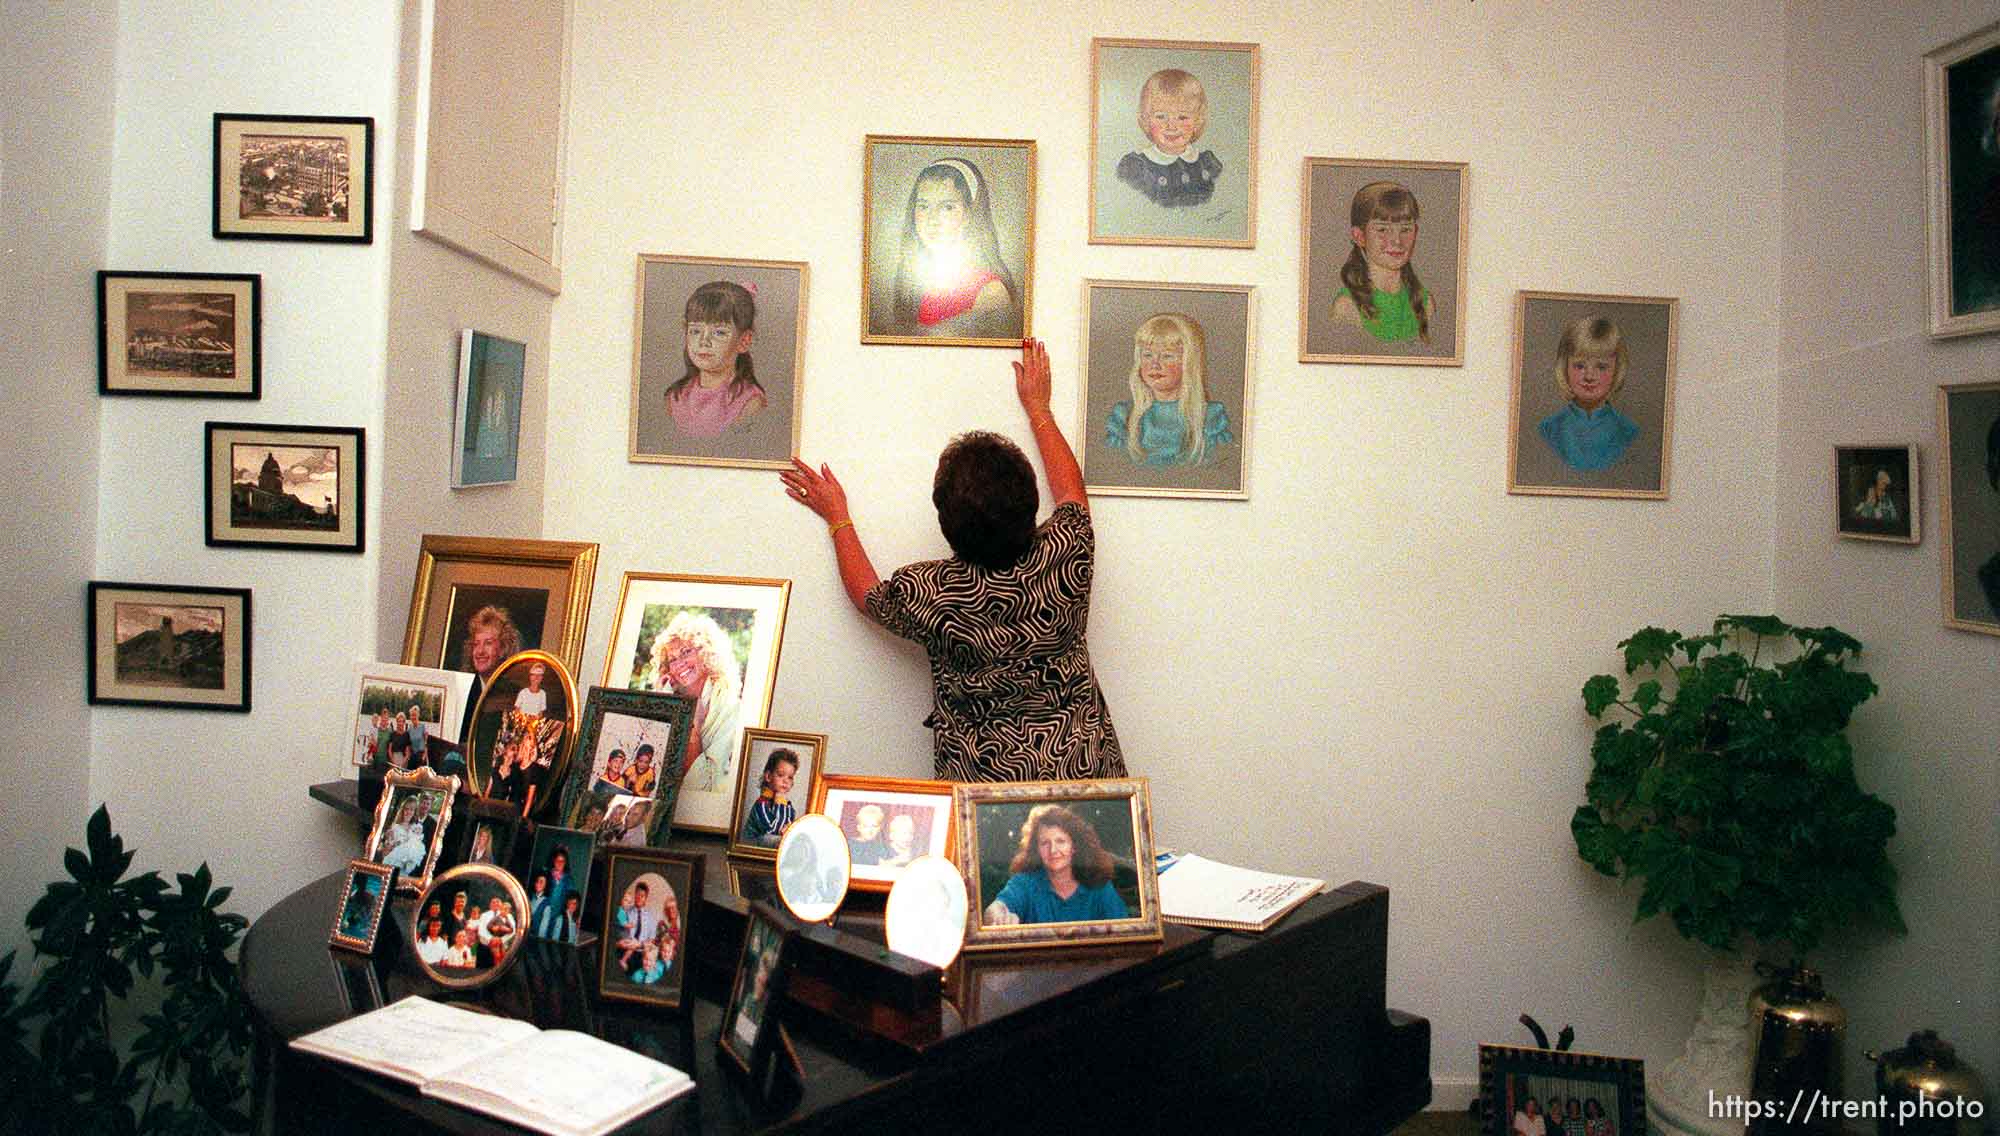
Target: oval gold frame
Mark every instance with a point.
(802, 829)
(551, 785)
(516, 895)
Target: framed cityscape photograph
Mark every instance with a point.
(889, 823)
(168, 645)
(1548, 1090)
(285, 487)
(775, 773)
(1057, 863)
(1962, 151)
(190, 334)
(1173, 143)
(1592, 413)
(486, 422)
(1969, 442)
(481, 600)
(1876, 493)
(718, 361)
(294, 178)
(1382, 262)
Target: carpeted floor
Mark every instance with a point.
(1439, 1124)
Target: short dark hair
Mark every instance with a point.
(986, 500)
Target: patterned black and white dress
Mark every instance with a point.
(1014, 697)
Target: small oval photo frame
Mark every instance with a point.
(482, 914)
(527, 714)
(926, 914)
(813, 868)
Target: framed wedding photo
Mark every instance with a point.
(190, 334)
(718, 361)
(651, 897)
(168, 645)
(1173, 143)
(1592, 413)
(294, 178)
(1532, 1090)
(889, 822)
(625, 773)
(486, 424)
(1962, 135)
(1876, 492)
(1382, 262)
(1165, 393)
(363, 900)
(1969, 439)
(284, 487)
(1057, 863)
(775, 772)
(947, 241)
(480, 600)
(411, 818)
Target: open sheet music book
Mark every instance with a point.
(1203, 893)
(554, 1081)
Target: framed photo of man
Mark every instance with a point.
(644, 945)
(479, 601)
(1057, 863)
(411, 818)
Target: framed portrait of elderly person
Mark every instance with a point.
(1382, 262)
(623, 786)
(523, 728)
(411, 817)
(1962, 131)
(889, 823)
(481, 600)
(712, 639)
(1593, 405)
(947, 241)
(1057, 863)
(775, 774)
(1173, 143)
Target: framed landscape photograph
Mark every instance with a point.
(486, 426)
(480, 600)
(775, 773)
(713, 639)
(1173, 143)
(889, 822)
(294, 178)
(1592, 413)
(168, 645)
(1876, 493)
(624, 778)
(718, 361)
(1517, 1087)
(397, 710)
(523, 728)
(1962, 134)
(1057, 863)
(644, 946)
(1166, 389)
(1969, 439)
(1382, 262)
(470, 925)
(193, 334)
(411, 817)
(362, 903)
(947, 241)
(285, 487)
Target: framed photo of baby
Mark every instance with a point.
(1962, 131)
(1166, 389)
(718, 358)
(1057, 863)
(947, 241)
(1593, 405)
(1382, 266)
(775, 773)
(1876, 492)
(1173, 143)
(411, 818)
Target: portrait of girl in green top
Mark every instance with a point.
(1380, 291)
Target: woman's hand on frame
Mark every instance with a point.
(1031, 377)
(819, 491)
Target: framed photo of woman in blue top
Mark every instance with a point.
(1057, 863)
(1593, 405)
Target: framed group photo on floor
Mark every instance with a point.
(1555, 1091)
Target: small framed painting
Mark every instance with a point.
(523, 728)
(1969, 439)
(776, 769)
(195, 334)
(285, 487)
(479, 601)
(1593, 404)
(1057, 863)
(1876, 493)
(1166, 389)
(1173, 143)
(1962, 132)
(362, 903)
(624, 780)
(718, 361)
(1548, 1090)
(397, 710)
(1382, 265)
(947, 241)
(647, 920)
(294, 178)
(889, 823)
(168, 645)
(486, 428)
(410, 822)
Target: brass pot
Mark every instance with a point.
(1796, 1030)
(1928, 1091)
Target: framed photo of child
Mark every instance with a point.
(775, 773)
(718, 361)
(362, 903)
(470, 923)
(947, 241)
(1165, 394)
(1173, 143)
(1592, 413)
(889, 823)
(1969, 439)
(750, 1017)
(1962, 132)
(1876, 493)
(643, 944)
(1382, 265)
(558, 882)
(1057, 863)
(623, 785)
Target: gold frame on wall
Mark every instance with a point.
(1252, 111)
(574, 559)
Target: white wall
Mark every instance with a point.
(1370, 669)
(55, 169)
(1859, 368)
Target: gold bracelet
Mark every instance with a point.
(837, 526)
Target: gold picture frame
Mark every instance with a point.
(500, 720)
(1137, 201)
(390, 839)
(1330, 192)
(1554, 452)
(843, 798)
(550, 580)
(1107, 827)
(759, 747)
(481, 884)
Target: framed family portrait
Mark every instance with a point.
(1173, 143)
(397, 710)
(362, 902)
(813, 870)
(284, 487)
(1593, 405)
(750, 1017)
(947, 240)
(889, 823)
(1531, 1090)
(195, 334)
(1382, 262)
(643, 944)
(481, 600)
(718, 361)
(558, 882)
(775, 772)
(712, 639)
(1962, 132)
(523, 728)
(411, 817)
(1969, 439)
(294, 178)
(168, 645)
(625, 773)
(1166, 389)
(470, 925)
(1057, 863)
(486, 419)
(1876, 493)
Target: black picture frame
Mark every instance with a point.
(767, 939)
(107, 681)
(355, 133)
(246, 336)
(1509, 1075)
(672, 711)
(682, 873)
(499, 817)
(579, 859)
(226, 513)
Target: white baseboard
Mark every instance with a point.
(1452, 1096)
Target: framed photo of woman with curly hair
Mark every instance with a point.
(1057, 863)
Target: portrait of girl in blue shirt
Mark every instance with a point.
(1588, 433)
(1169, 419)
(1060, 874)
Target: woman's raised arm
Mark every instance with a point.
(1031, 383)
(821, 492)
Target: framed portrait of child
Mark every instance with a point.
(1877, 491)
(1382, 270)
(1173, 143)
(775, 775)
(1592, 413)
